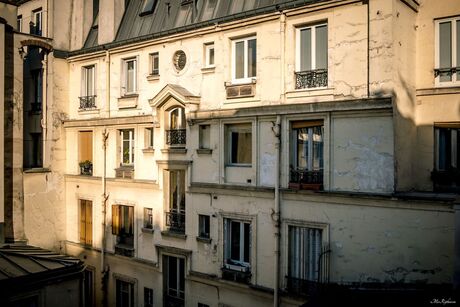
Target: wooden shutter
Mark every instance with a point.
(115, 219)
(89, 222)
(86, 145)
(82, 221)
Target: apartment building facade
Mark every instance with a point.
(246, 153)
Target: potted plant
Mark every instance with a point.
(86, 167)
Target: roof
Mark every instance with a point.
(168, 17)
(25, 264)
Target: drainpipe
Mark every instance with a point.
(45, 161)
(105, 135)
(277, 214)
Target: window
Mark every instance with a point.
(124, 294)
(88, 87)
(148, 218)
(37, 83)
(36, 24)
(237, 244)
(239, 140)
(148, 297)
(446, 175)
(129, 85)
(203, 225)
(37, 150)
(306, 166)
(148, 7)
(148, 142)
(85, 142)
(123, 228)
(205, 136)
(174, 280)
(311, 58)
(244, 59)
(175, 218)
(447, 51)
(208, 12)
(127, 146)
(88, 287)
(304, 250)
(209, 55)
(19, 23)
(155, 62)
(176, 134)
(86, 222)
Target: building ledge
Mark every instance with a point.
(148, 150)
(37, 170)
(204, 240)
(174, 234)
(446, 90)
(153, 77)
(174, 150)
(204, 151)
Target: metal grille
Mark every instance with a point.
(303, 176)
(175, 221)
(87, 102)
(176, 137)
(311, 78)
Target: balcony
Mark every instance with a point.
(87, 102)
(302, 179)
(175, 221)
(176, 137)
(235, 273)
(311, 79)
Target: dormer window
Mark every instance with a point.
(148, 7)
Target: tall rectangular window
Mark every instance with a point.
(155, 63)
(36, 27)
(123, 228)
(209, 55)
(237, 244)
(447, 158)
(174, 280)
(244, 59)
(239, 142)
(304, 250)
(148, 137)
(127, 146)
(307, 154)
(447, 51)
(148, 297)
(129, 85)
(148, 218)
(88, 88)
(85, 152)
(124, 293)
(311, 56)
(175, 218)
(88, 287)
(205, 136)
(19, 26)
(86, 222)
(203, 225)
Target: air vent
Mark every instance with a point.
(240, 91)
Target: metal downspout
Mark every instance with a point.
(277, 214)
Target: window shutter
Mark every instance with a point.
(89, 222)
(82, 221)
(131, 220)
(115, 219)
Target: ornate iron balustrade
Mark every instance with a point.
(449, 71)
(175, 221)
(311, 78)
(303, 176)
(176, 137)
(87, 102)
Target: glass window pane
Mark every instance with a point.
(130, 76)
(445, 49)
(235, 241)
(321, 47)
(252, 58)
(302, 148)
(305, 49)
(239, 60)
(317, 148)
(211, 56)
(247, 241)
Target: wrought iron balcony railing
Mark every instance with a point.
(175, 221)
(449, 71)
(87, 102)
(86, 169)
(311, 78)
(176, 137)
(303, 177)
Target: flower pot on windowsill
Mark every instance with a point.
(86, 168)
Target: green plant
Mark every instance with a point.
(85, 164)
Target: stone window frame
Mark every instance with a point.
(455, 62)
(124, 76)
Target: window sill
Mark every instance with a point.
(37, 170)
(204, 240)
(148, 150)
(89, 111)
(153, 77)
(174, 150)
(147, 230)
(239, 165)
(208, 70)
(204, 151)
(174, 234)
